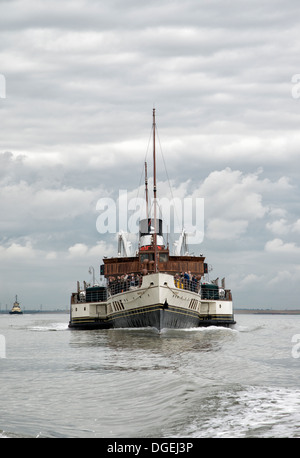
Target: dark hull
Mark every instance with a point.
(156, 316)
(16, 313)
(89, 323)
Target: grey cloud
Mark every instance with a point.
(82, 77)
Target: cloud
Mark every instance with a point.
(220, 229)
(78, 250)
(248, 281)
(29, 208)
(283, 226)
(277, 246)
(233, 200)
(96, 252)
(233, 194)
(296, 226)
(279, 227)
(285, 277)
(16, 251)
(26, 252)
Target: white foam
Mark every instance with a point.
(253, 412)
(50, 327)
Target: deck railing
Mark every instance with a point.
(122, 285)
(206, 291)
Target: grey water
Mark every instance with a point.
(196, 383)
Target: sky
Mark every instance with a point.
(81, 80)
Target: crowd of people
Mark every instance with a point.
(123, 283)
(120, 284)
(186, 280)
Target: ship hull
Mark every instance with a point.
(158, 305)
(155, 317)
(160, 317)
(88, 323)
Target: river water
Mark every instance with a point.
(197, 383)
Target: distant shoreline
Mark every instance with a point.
(266, 312)
(25, 312)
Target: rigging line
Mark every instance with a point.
(142, 173)
(168, 178)
(143, 169)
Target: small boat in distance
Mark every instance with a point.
(152, 288)
(16, 309)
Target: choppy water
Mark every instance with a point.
(214, 382)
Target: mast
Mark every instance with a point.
(146, 191)
(154, 194)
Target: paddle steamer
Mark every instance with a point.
(153, 288)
